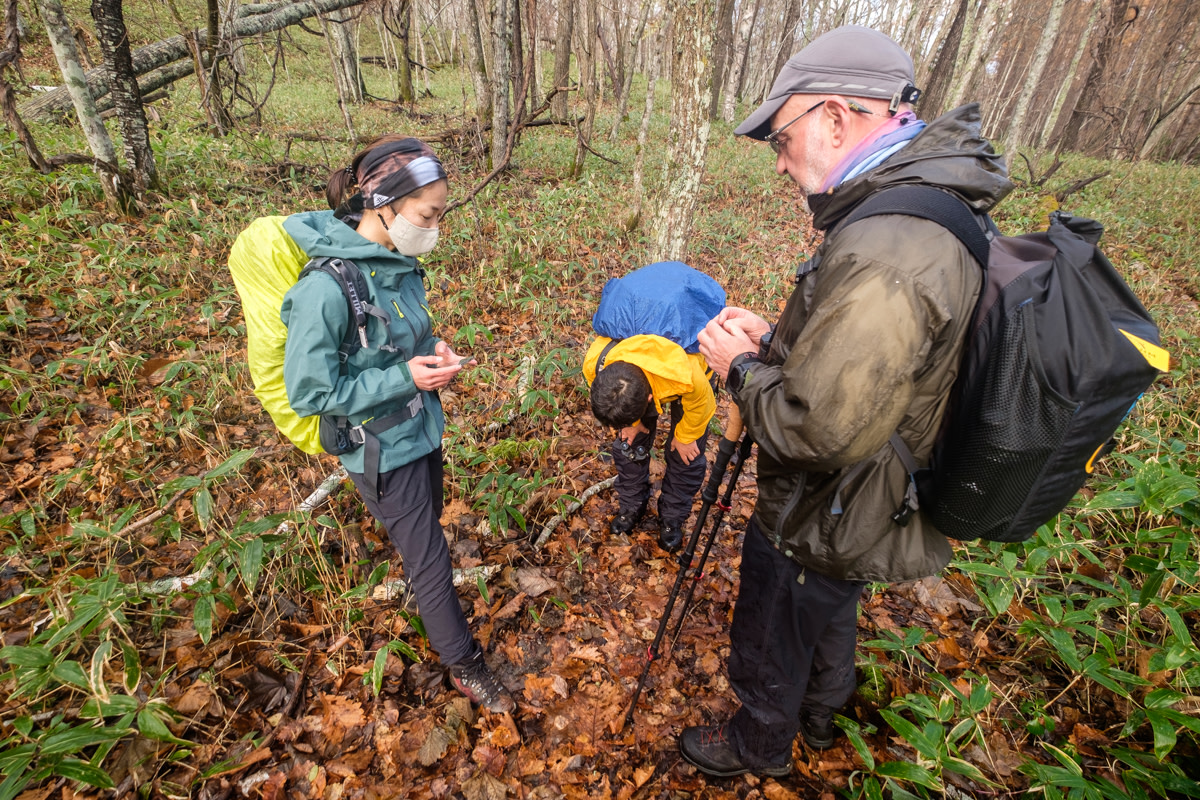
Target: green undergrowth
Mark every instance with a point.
(129, 430)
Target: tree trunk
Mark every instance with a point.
(339, 82)
(158, 54)
(210, 100)
(943, 68)
(723, 51)
(788, 36)
(562, 59)
(739, 53)
(1112, 26)
(479, 71)
(533, 91)
(135, 131)
(639, 196)
(401, 11)
(586, 51)
(347, 71)
(1018, 132)
(693, 27)
(627, 84)
(8, 103)
(1156, 131)
(1064, 88)
(502, 40)
(63, 42)
(516, 55)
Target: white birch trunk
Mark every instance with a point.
(502, 37)
(1018, 134)
(693, 23)
(67, 55)
(737, 60)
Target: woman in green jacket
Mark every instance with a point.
(386, 208)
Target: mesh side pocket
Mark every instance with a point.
(1010, 426)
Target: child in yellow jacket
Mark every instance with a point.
(631, 380)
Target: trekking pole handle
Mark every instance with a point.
(725, 451)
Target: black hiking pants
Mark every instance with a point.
(680, 483)
(410, 507)
(792, 644)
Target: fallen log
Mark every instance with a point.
(168, 51)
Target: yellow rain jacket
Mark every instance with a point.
(673, 375)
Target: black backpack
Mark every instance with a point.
(1059, 352)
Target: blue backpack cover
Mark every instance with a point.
(667, 298)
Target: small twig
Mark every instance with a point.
(291, 706)
(590, 149)
(557, 519)
(522, 387)
(141, 523)
(1063, 194)
(395, 589)
(319, 495)
(502, 163)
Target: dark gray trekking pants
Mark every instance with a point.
(680, 483)
(409, 506)
(792, 644)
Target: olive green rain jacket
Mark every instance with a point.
(375, 383)
(869, 344)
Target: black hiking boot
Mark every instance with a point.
(670, 536)
(816, 726)
(625, 519)
(475, 680)
(708, 747)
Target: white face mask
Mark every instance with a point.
(409, 239)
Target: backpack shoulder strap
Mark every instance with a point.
(604, 354)
(354, 286)
(926, 202)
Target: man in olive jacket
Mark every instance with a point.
(868, 345)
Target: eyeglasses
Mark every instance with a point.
(772, 138)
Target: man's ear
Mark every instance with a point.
(840, 120)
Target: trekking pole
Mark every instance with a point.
(725, 451)
(718, 518)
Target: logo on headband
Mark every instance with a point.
(379, 200)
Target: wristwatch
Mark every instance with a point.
(764, 343)
(739, 370)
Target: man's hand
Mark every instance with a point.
(687, 452)
(733, 318)
(721, 341)
(627, 434)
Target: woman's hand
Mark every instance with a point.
(687, 452)
(431, 372)
(448, 356)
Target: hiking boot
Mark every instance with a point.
(625, 519)
(709, 749)
(816, 726)
(670, 536)
(475, 680)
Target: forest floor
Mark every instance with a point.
(159, 630)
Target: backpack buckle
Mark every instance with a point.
(910, 505)
(357, 435)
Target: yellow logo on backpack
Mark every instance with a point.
(265, 263)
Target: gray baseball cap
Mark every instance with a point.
(851, 60)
